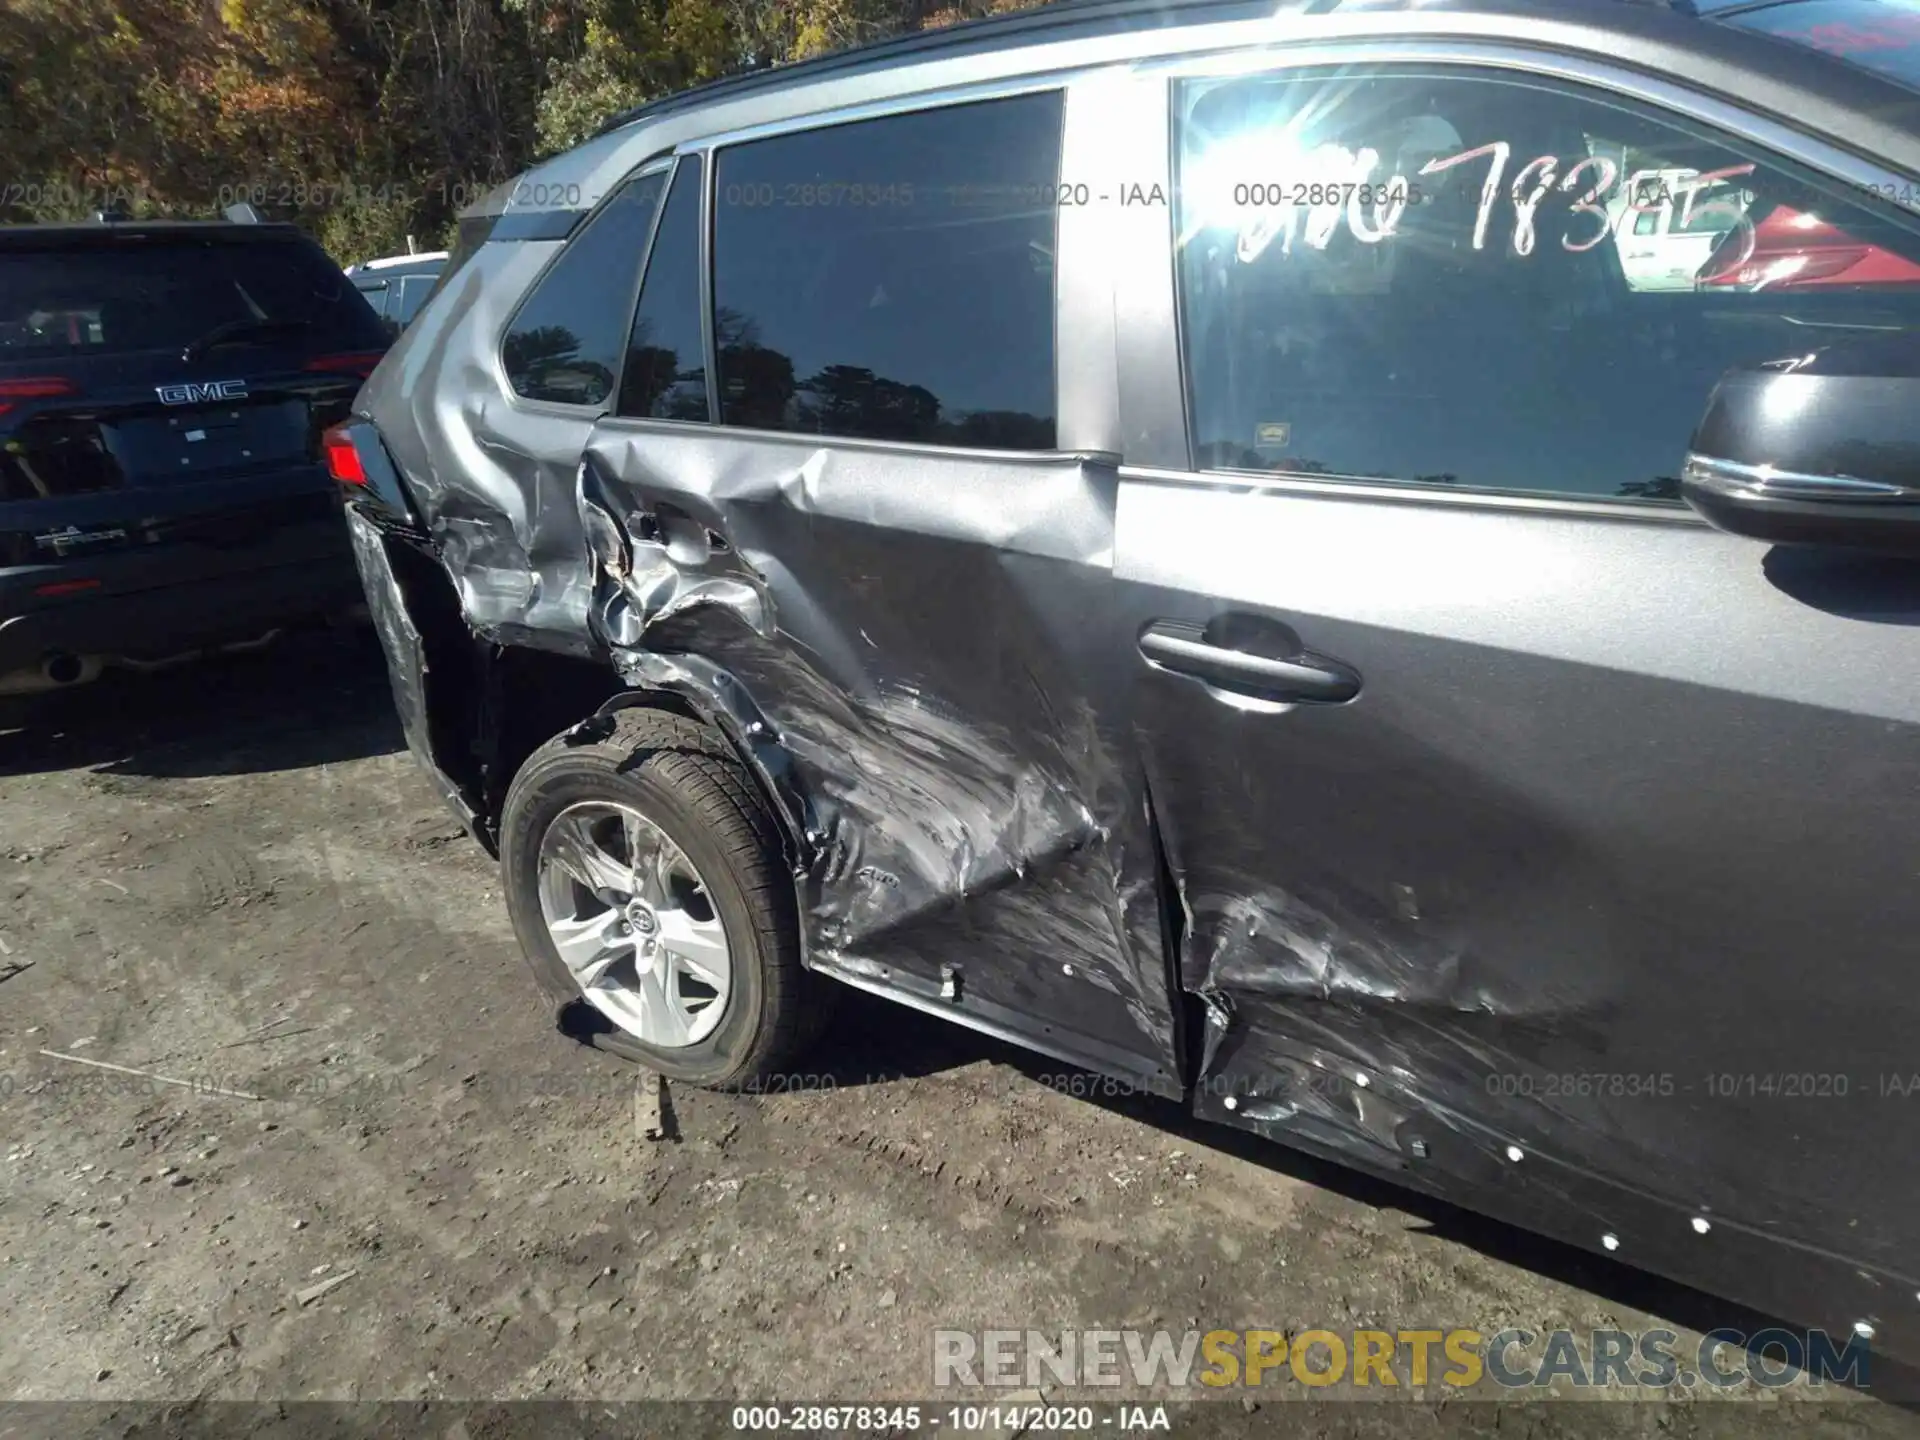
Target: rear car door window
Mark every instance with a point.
(1468, 280)
(564, 344)
(893, 278)
(666, 372)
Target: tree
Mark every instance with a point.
(365, 121)
(620, 53)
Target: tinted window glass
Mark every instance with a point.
(666, 374)
(162, 294)
(893, 278)
(1448, 280)
(564, 345)
(1882, 35)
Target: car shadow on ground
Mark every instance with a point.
(873, 1041)
(313, 697)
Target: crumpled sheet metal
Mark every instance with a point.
(975, 804)
(1013, 846)
(925, 826)
(1331, 1036)
(933, 831)
(1451, 997)
(400, 639)
(1406, 1096)
(1291, 1048)
(1381, 1041)
(1358, 1028)
(514, 554)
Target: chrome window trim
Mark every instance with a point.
(1406, 493)
(918, 449)
(1686, 103)
(1740, 481)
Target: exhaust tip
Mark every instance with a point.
(64, 669)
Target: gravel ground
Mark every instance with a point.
(233, 876)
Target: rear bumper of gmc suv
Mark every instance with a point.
(60, 622)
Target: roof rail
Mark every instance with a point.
(989, 32)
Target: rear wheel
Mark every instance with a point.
(644, 878)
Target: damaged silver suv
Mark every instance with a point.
(1193, 539)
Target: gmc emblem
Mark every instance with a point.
(199, 392)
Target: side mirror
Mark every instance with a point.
(1822, 449)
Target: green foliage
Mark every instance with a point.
(365, 121)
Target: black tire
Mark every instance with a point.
(683, 778)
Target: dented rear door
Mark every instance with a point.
(888, 567)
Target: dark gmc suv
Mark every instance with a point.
(163, 392)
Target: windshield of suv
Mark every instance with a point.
(90, 299)
(1881, 35)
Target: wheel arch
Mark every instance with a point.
(699, 691)
(475, 705)
(520, 696)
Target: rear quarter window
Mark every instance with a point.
(565, 343)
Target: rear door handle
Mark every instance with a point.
(1180, 647)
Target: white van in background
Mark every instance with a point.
(398, 285)
(1663, 240)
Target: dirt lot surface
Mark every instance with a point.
(234, 876)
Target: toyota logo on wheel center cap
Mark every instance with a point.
(641, 918)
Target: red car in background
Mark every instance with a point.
(1794, 249)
